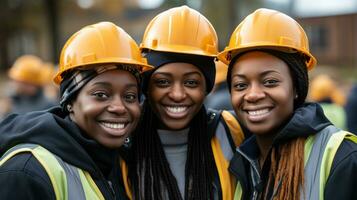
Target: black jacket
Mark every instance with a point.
(23, 177)
(307, 120)
(351, 110)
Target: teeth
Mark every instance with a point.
(258, 112)
(113, 125)
(176, 109)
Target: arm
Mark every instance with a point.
(342, 180)
(22, 177)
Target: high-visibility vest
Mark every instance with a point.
(218, 142)
(69, 182)
(319, 153)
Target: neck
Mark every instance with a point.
(264, 143)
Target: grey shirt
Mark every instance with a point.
(175, 148)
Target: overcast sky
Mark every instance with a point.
(324, 7)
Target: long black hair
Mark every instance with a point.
(149, 171)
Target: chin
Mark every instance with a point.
(176, 126)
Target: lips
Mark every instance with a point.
(258, 115)
(114, 128)
(176, 111)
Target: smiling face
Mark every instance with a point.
(176, 93)
(107, 107)
(262, 92)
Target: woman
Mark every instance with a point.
(71, 152)
(180, 151)
(295, 152)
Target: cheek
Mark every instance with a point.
(134, 111)
(236, 99)
(198, 95)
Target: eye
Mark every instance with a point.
(240, 86)
(130, 97)
(270, 82)
(162, 82)
(100, 95)
(191, 83)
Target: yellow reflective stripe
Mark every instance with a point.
(308, 146)
(124, 172)
(11, 154)
(238, 193)
(234, 127)
(91, 190)
(329, 155)
(48, 161)
(222, 168)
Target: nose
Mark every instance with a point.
(254, 93)
(117, 106)
(177, 92)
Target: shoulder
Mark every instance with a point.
(24, 173)
(346, 154)
(342, 180)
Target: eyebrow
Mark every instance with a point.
(185, 74)
(109, 85)
(263, 73)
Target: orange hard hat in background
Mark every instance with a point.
(268, 29)
(181, 30)
(27, 69)
(221, 72)
(101, 43)
(323, 87)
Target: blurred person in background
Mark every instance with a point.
(28, 75)
(50, 90)
(219, 98)
(72, 151)
(351, 110)
(324, 91)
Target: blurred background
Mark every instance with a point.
(41, 27)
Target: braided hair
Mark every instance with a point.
(150, 174)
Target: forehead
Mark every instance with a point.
(177, 68)
(116, 76)
(260, 62)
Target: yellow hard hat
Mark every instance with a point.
(221, 72)
(321, 87)
(181, 30)
(100, 43)
(28, 69)
(324, 87)
(268, 29)
(48, 72)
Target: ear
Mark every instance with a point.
(69, 108)
(295, 94)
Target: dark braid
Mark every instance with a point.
(150, 174)
(297, 68)
(201, 165)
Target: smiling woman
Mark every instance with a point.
(295, 152)
(72, 151)
(181, 150)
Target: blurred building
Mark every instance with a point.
(41, 27)
(332, 29)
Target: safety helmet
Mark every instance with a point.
(28, 69)
(48, 72)
(181, 30)
(268, 29)
(101, 43)
(324, 87)
(221, 72)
